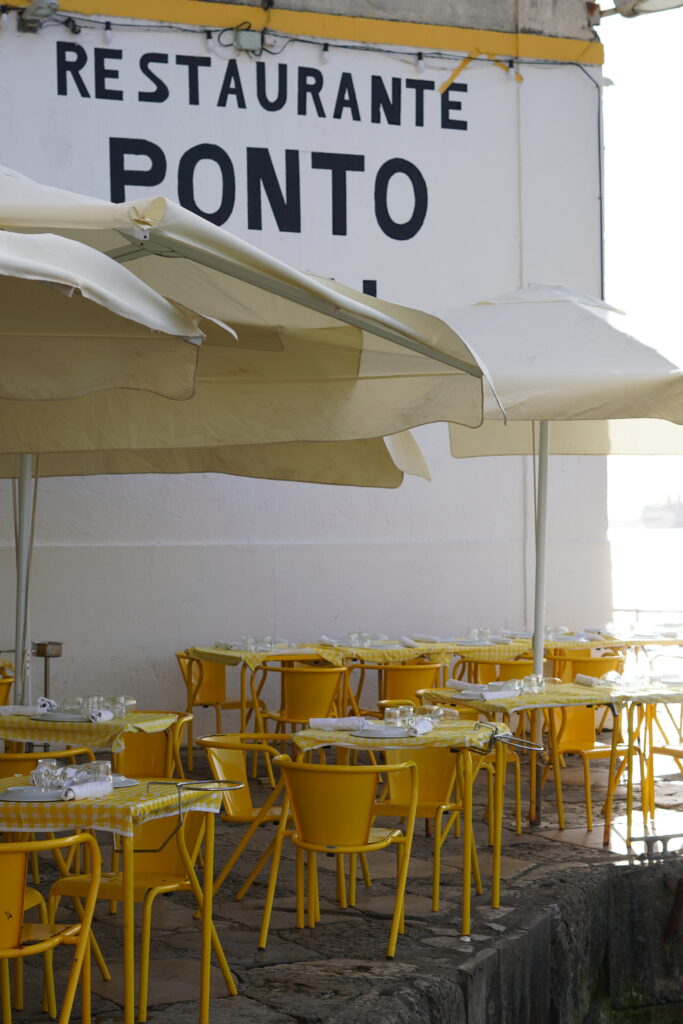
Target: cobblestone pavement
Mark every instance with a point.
(338, 972)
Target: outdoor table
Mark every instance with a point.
(96, 735)
(464, 738)
(252, 660)
(615, 695)
(119, 812)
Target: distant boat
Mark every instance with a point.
(667, 514)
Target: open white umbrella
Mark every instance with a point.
(573, 380)
(309, 362)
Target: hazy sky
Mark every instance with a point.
(643, 125)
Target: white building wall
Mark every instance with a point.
(128, 570)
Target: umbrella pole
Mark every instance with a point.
(539, 596)
(24, 520)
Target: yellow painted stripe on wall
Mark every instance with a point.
(341, 27)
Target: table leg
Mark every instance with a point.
(243, 698)
(612, 780)
(127, 866)
(533, 781)
(207, 919)
(555, 757)
(501, 766)
(467, 839)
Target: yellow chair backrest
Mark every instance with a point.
(152, 755)
(515, 669)
(310, 692)
(23, 764)
(6, 683)
(157, 851)
(587, 665)
(332, 805)
(475, 671)
(13, 868)
(579, 728)
(204, 680)
(401, 682)
(436, 767)
(231, 764)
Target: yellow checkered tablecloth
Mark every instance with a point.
(96, 735)
(492, 653)
(455, 734)
(237, 656)
(120, 811)
(562, 696)
(391, 654)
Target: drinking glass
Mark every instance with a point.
(45, 774)
(406, 715)
(391, 716)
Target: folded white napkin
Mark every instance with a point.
(425, 638)
(101, 716)
(590, 680)
(484, 691)
(329, 641)
(86, 790)
(495, 638)
(407, 642)
(420, 727)
(47, 704)
(353, 723)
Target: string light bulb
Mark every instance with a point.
(420, 63)
(4, 18)
(325, 53)
(108, 34)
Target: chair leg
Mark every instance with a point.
(587, 792)
(341, 881)
(366, 871)
(145, 940)
(272, 882)
(86, 995)
(476, 874)
(6, 999)
(190, 744)
(353, 857)
(299, 860)
(255, 872)
(313, 904)
(399, 909)
(19, 984)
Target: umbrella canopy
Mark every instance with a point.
(573, 379)
(73, 322)
(311, 361)
(307, 363)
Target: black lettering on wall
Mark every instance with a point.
(120, 175)
(261, 94)
(261, 176)
(339, 164)
(382, 103)
(391, 228)
(448, 104)
(193, 64)
(421, 87)
(310, 84)
(102, 73)
(346, 98)
(71, 59)
(232, 86)
(160, 93)
(186, 192)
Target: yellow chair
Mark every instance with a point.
(305, 693)
(205, 686)
(159, 867)
(153, 755)
(437, 768)
(333, 808)
(19, 940)
(402, 682)
(227, 756)
(575, 727)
